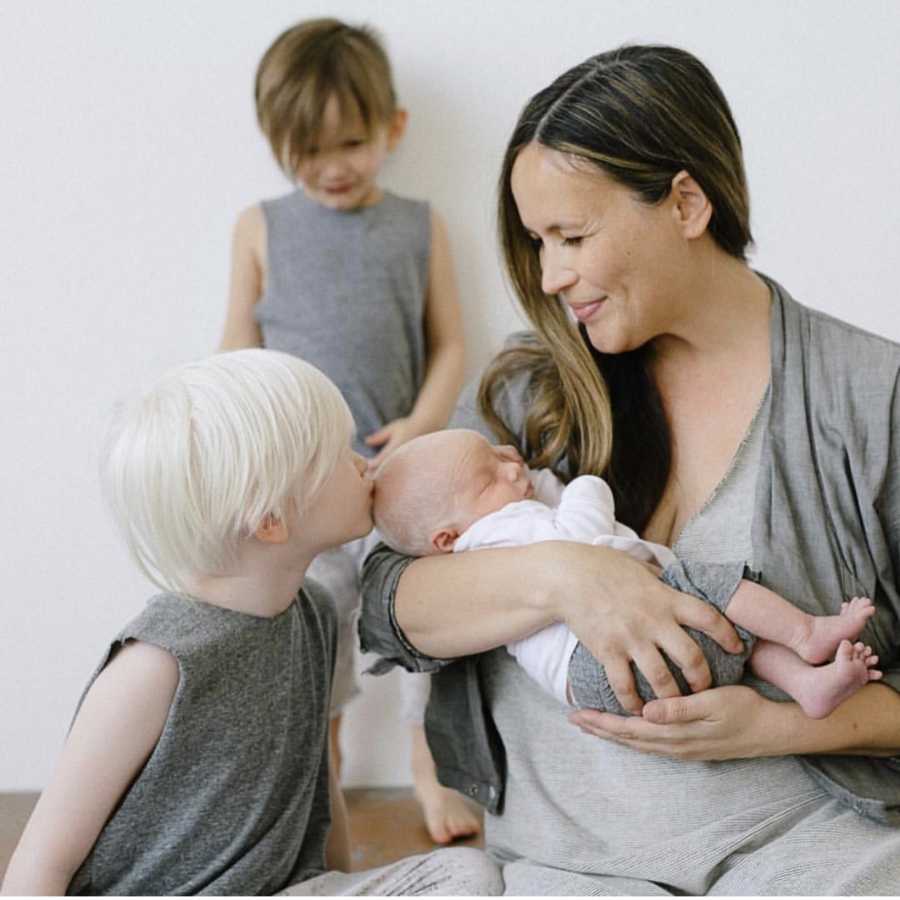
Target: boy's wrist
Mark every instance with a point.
(423, 423)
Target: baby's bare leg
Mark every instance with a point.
(818, 689)
(813, 638)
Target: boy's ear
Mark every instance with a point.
(272, 530)
(691, 206)
(397, 127)
(444, 539)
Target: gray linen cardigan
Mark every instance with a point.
(826, 527)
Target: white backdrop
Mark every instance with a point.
(128, 145)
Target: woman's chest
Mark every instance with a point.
(708, 431)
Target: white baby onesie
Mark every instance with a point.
(582, 511)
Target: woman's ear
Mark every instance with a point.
(444, 539)
(397, 127)
(690, 205)
(272, 530)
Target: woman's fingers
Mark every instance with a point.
(684, 651)
(621, 680)
(696, 614)
(653, 667)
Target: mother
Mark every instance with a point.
(733, 424)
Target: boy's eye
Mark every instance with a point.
(354, 142)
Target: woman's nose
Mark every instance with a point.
(556, 276)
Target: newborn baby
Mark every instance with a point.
(452, 491)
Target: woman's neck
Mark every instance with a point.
(724, 314)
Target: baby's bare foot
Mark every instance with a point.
(826, 687)
(825, 633)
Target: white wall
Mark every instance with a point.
(128, 145)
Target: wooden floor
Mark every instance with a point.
(386, 824)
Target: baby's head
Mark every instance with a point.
(430, 490)
(325, 100)
(200, 462)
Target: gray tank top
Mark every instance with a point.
(234, 798)
(346, 291)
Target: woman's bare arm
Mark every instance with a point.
(455, 605)
(736, 722)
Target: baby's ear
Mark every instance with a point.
(444, 539)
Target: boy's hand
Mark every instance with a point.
(390, 437)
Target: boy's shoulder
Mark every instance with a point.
(317, 608)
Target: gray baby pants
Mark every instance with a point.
(713, 583)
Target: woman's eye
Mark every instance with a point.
(572, 241)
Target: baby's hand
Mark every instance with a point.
(390, 437)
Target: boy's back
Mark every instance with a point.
(234, 798)
(345, 290)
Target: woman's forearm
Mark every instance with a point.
(866, 724)
(460, 604)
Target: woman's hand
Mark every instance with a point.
(723, 723)
(624, 614)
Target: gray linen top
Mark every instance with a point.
(826, 526)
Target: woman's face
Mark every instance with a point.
(618, 263)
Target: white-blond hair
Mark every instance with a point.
(194, 465)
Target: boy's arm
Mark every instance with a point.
(114, 733)
(337, 847)
(445, 352)
(247, 281)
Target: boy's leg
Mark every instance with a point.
(818, 689)
(448, 814)
(337, 570)
(814, 638)
(713, 583)
(453, 872)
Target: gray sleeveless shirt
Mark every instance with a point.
(234, 798)
(346, 292)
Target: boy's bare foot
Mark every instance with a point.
(824, 688)
(448, 815)
(825, 633)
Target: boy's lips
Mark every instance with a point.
(584, 311)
